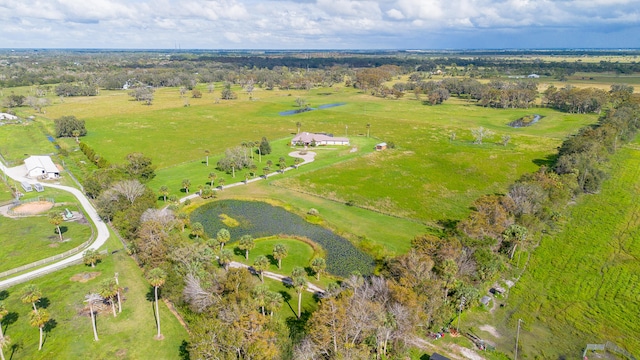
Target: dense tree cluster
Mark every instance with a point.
(69, 126)
(70, 89)
(576, 100)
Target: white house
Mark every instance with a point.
(533, 76)
(41, 167)
(311, 139)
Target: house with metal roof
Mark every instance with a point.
(311, 139)
(41, 167)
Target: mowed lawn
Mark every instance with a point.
(128, 336)
(581, 285)
(28, 239)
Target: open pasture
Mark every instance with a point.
(426, 163)
(581, 285)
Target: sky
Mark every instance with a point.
(320, 24)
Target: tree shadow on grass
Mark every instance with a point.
(4, 294)
(297, 327)
(151, 296)
(48, 327)
(287, 298)
(43, 303)
(9, 319)
(548, 160)
(184, 351)
(63, 229)
(272, 261)
(15, 347)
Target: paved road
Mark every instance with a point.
(18, 174)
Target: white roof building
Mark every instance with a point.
(41, 166)
(307, 139)
(5, 116)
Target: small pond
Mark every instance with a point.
(306, 109)
(260, 219)
(525, 121)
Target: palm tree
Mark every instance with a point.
(261, 264)
(318, 265)
(206, 154)
(197, 230)
(212, 177)
(223, 236)
(4, 342)
(298, 125)
(39, 318)
(280, 252)
(225, 258)
(221, 182)
(297, 161)
(92, 299)
(55, 218)
(91, 257)
(274, 301)
(260, 294)
(186, 183)
(31, 294)
(115, 277)
(109, 291)
(76, 134)
(246, 244)
(3, 313)
(368, 129)
(299, 281)
(164, 191)
(156, 278)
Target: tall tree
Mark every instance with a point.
(280, 252)
(261, 264)
(3, 313)
(186, 183)
(265, 147)
(274, 301)
(223, 237)
(91, 257)
(225, 258)
(92, 299)
(318, 265)
(109, 291)
(55, 219)
(164, 191)
(212, 177)
(31, 294)
(299, 282)
(156, 278)
(115, 278)
(39, 318)
(4, 342)
(247, 244)
(206, 154)
(197, 230)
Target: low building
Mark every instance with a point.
(26, 186)
(533, 76)
(311, 139)
(381, 146)
(6, 116)
(41, 167)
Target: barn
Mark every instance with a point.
(41, 167)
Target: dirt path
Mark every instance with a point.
(452, 351)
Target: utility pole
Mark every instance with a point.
(462, 301)
(517, 336)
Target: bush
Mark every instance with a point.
(313, 212)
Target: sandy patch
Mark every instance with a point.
(84, 277)
(33, 208)
(491, 330)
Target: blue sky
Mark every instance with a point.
(320, 24)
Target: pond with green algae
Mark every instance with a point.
(260, 219)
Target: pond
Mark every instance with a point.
(305, 109)
(260, 219)
(525, 121)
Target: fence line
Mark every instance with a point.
(16, 281)
(50, 259)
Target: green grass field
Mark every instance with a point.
(128, 336)
(30, 239)
(581, 284)
(299, 254)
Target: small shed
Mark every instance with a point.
(26, 186)
(485, 300)
(381, 146)
(38, 187)
(41, 166)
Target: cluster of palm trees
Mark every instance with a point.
(108, 290)
(39, 316)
